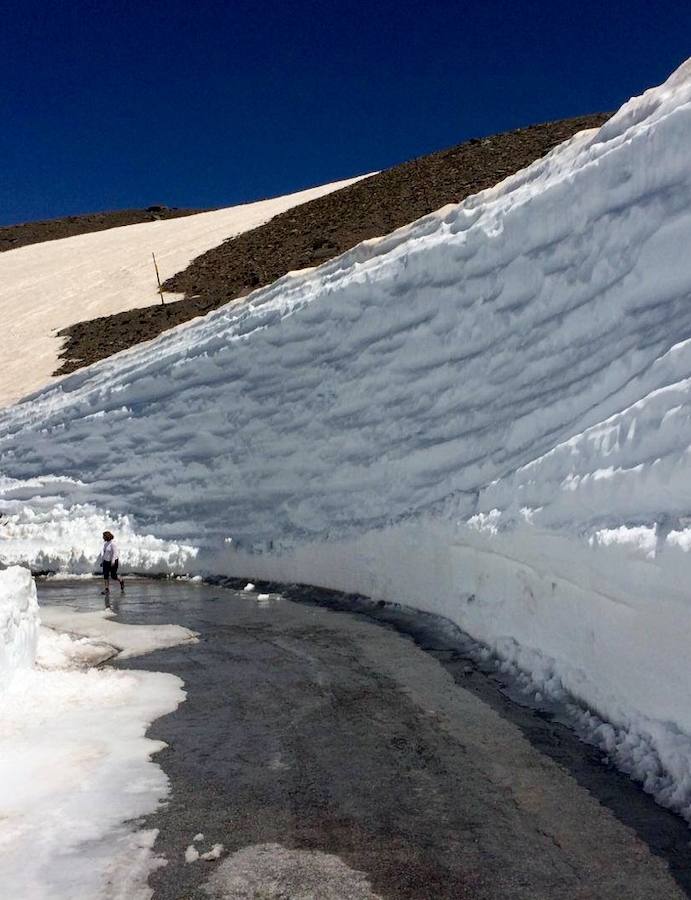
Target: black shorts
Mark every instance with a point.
(110, 569)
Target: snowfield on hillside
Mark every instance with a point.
(485, 415)
(46, 287)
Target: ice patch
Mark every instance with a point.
(191, 854)
(214, 853)
(63, 651)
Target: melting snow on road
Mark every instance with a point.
(485, 414)
(75, 765)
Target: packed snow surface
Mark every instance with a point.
(485, 414)
(46, 287)
(75, 766)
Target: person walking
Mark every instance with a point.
(110, 562)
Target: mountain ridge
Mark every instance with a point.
(321, 229)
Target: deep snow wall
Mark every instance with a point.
(485, 414)
(19, 622)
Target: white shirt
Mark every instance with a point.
(110, 551)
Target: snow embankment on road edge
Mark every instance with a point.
(486, 414)
(19, 622)
(75, 765)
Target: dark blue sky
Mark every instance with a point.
(105, 105)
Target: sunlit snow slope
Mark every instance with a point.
(46, 287)
(485, 414)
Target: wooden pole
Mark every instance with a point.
(158, 278)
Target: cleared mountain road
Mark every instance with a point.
(335, 758)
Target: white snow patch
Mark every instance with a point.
(46, 287)
(129, 640)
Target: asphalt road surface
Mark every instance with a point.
(340, 755)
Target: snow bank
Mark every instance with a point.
(485, 414)
(18, 622)
(46, 287)
(75, 766)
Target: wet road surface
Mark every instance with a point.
(357, 755)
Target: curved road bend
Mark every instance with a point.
(335, 758)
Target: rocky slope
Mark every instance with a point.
(315, 232)
(14, 236)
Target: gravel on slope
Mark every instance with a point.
(14, 236)
(315, 232)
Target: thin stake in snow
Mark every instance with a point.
(158, 278)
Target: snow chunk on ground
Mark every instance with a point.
(63, 651)
(214, 853)
(129, 640)
(18, 622)
(191, 854)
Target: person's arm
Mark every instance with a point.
(114, 551)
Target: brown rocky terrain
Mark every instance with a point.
(13, 236)
(314, 232)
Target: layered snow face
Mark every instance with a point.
(485, 414)
(46, 287)
(55, 533)
(18, 622)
